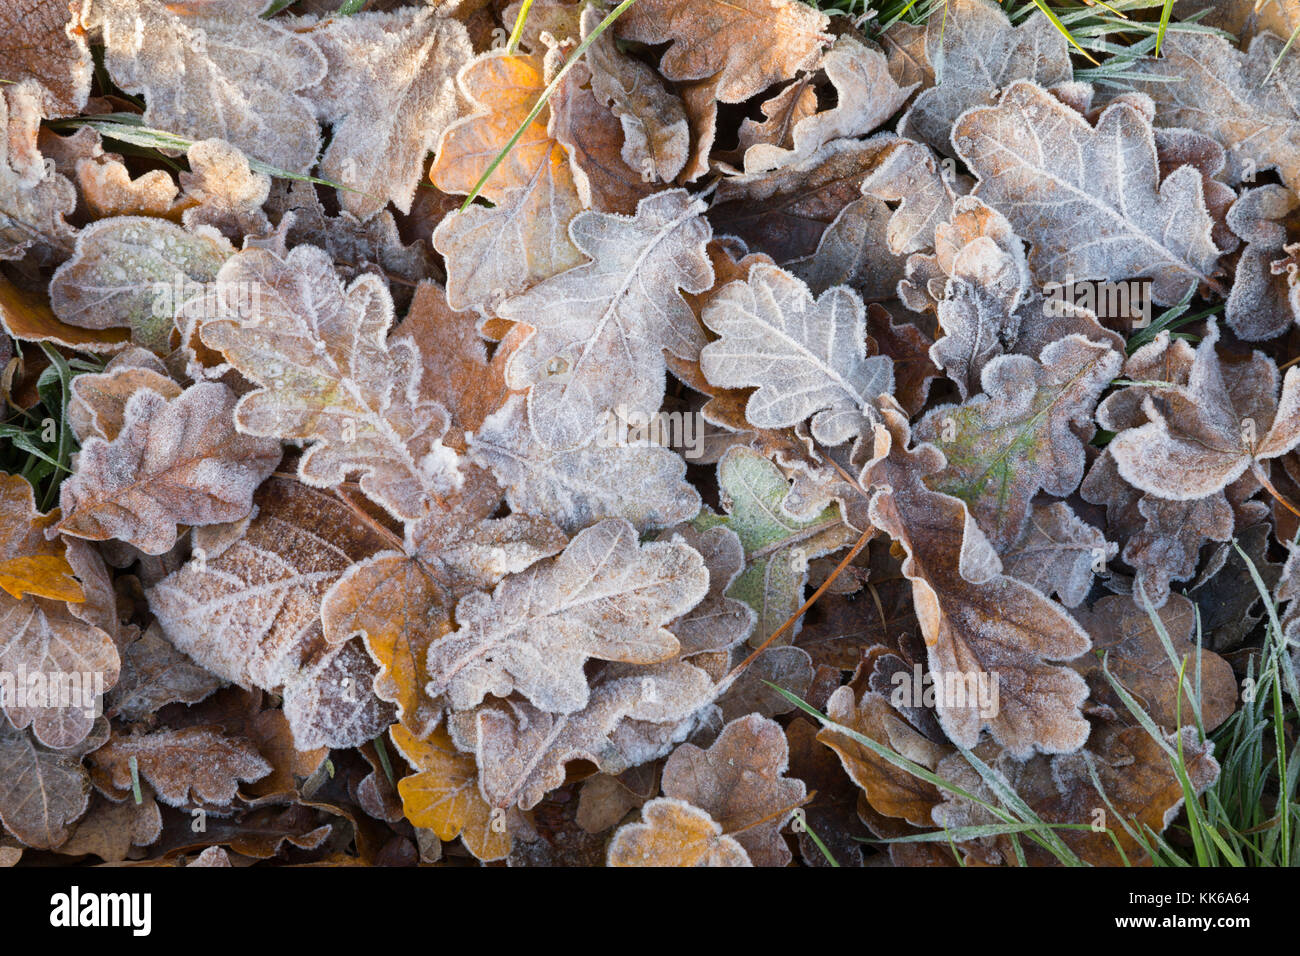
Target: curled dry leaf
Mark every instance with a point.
(601, 328)
(30, 561)
(1265, 298)
(173, 462)
(97, 408)
(604, 597)
(982, 627)
(524, 238)
(215, 69)
(153, 674)
(389, 91)
(1047, 169)
(33, 199)
(806, 357)
(328, 374)
(674, 833)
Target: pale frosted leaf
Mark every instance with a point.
(328, 374)
(1058, 552)
(718, 622)
(194, 764)
(604, 597)
(601, 328)
(215, 69)
(136, 272)
(33, 199)
(41, 790)
(1265, 299)
(1089, 199)
(974, 51)
(174, 462)
(154, 674)
(223, 191)
(806, 357)
(639, 481)
(908, 175)
(389, 92)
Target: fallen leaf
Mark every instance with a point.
(675, 834)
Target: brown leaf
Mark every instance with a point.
(97, 407)
(43, 40)
(1265, 299)
(740, 781)
(41, 791)
(1058, 553)
(33, 199)
(675, 834)
(197, 764)
(978, 623)
(154, 674)
(31, 562)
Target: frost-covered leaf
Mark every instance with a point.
(778, 546)
(329, 375)
(443, 795)
(215, 69)
(1089, 199)
(639, 481)
(389, 92)
(521, 750)
(136, 272)
(674, 833)
(718, 622)
(1249, 100)
(908, 175)
(1022, 435)
(402, 600)
(974, 51)
(743, 46)
(866, 97)
(30, 561)
(97, 408)
(1202, 436)
(251, 614)
(740, 781)
(1265, 297)
(806, 357)
(153, 674)
(194, 764)
(524, 238)
(41, 790)
(173, 462)
(1058, 553)
(604, 597)
(982, 627)
(656, 138)
(39, 39)
(33, 199)
(601, 328)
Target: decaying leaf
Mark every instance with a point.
(33, 199)
(1058, 553)
(41, 790)
(42, 41)
(197, 764)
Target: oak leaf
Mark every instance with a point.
(603, 597)
(601, 328)
(1058, 553)
(1047, 169)
(327, 373)
(41, 790)
(43, 41)
(173, 462)
(191, 765)
(33, 199)
(30, 562)
(806, 357)
(1265, 298)
(977, 621)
